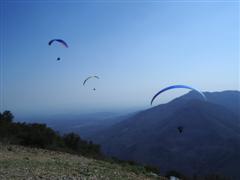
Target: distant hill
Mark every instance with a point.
(209, 143)
(228, 99)
(18, 162)
(83, 124)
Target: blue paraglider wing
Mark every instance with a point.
(90, 78)
(177, 86)
(58, 40)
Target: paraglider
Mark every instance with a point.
(180, 129)
(88, 78)
(177, 86)
(59, 41)
(84, 82)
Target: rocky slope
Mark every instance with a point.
(17, 162)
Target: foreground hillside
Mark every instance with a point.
(18, 162)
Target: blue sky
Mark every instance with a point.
(136, 48)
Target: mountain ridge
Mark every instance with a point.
(211, 132)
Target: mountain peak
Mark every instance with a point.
(209, 142)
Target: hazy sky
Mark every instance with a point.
(135, 48)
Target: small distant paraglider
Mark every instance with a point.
(84, 82)
(180, 129)
(177, 86)
(59, 41)
(88, 78)
(62, 42)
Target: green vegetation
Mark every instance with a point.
(41, 136)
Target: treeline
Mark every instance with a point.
(41, 136)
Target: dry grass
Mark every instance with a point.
(17, 162)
